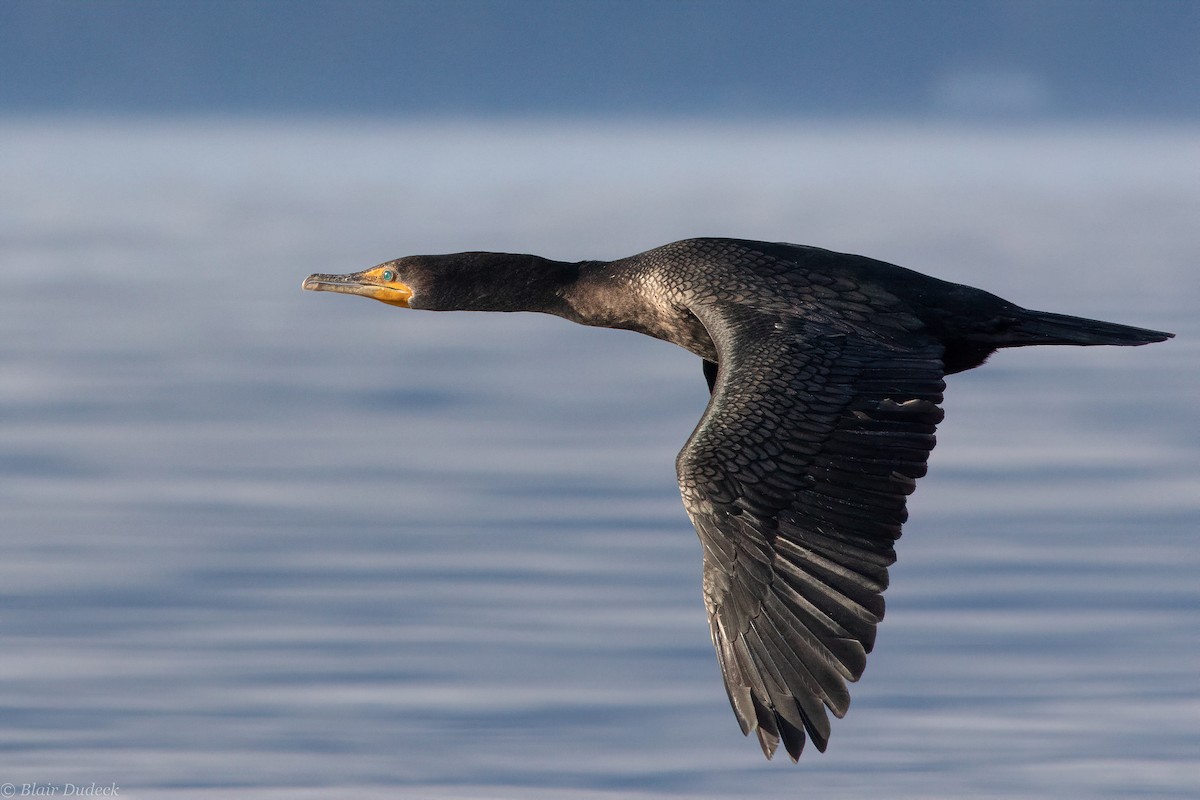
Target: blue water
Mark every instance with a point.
(258, 542)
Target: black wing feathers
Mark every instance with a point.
(796, 480)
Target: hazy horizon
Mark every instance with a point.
(991, 60)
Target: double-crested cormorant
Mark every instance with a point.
(825, 371)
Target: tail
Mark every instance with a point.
(1041, 327)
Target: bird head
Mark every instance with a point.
(387, 283)
(456, 282)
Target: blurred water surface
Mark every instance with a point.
(266, 543)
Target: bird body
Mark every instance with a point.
(826, 378)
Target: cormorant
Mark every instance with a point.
(825, 372)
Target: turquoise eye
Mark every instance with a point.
(389, 275)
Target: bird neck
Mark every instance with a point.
(498, 282)
(598, 293)
(608, 294)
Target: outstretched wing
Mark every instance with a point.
(796, 479)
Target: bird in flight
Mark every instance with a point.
(826, 376)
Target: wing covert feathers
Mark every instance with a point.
(796, 479)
